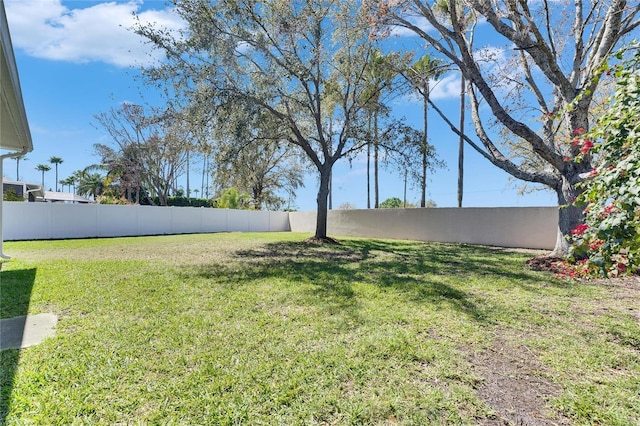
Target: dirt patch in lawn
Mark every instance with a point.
(625, 293)
(515, 385)
(545, 263)
(624, 287)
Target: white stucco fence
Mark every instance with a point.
(523, 227)
(526, 227)
(42, 221)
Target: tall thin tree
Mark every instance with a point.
(18, 159)
(56, 161)
(467, 18)
(419, 75)
(43, 168)
(380, 73)
(461, 141)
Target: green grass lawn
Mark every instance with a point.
(263, 329)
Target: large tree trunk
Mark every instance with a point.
(331, 190)
(323, 196)
(569, 217)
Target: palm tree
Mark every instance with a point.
(18, 158)
(461, 141)
(43, 168)
(379, 73)
(468, 19)
(77, 178)
(56, 161)
(71, 182)
(419, 74)
(187, 164)
(90, 184)
(68, 182)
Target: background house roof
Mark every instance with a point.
(64, 196)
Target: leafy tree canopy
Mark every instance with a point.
(391, 203)
(301, 62)
(231, 198)
(539, 80)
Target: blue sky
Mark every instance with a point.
(77, 59)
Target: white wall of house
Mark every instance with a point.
(526, 227)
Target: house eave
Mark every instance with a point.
(15, 135)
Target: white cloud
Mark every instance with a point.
(421, 23)
(447, 87)
(98, 33)
(243, 47)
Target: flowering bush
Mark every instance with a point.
(608, 242)
(575, 269)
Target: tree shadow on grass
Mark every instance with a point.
(420, 272)
(15, 289)
(395, 258)
(333, 278)
(449, 259)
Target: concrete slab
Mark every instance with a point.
(27, 330)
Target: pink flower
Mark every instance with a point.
(608, 210)
(580, 229)
(578, 131)
(593, 173)
(575, 142)
(586, 146)
(595, 245)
